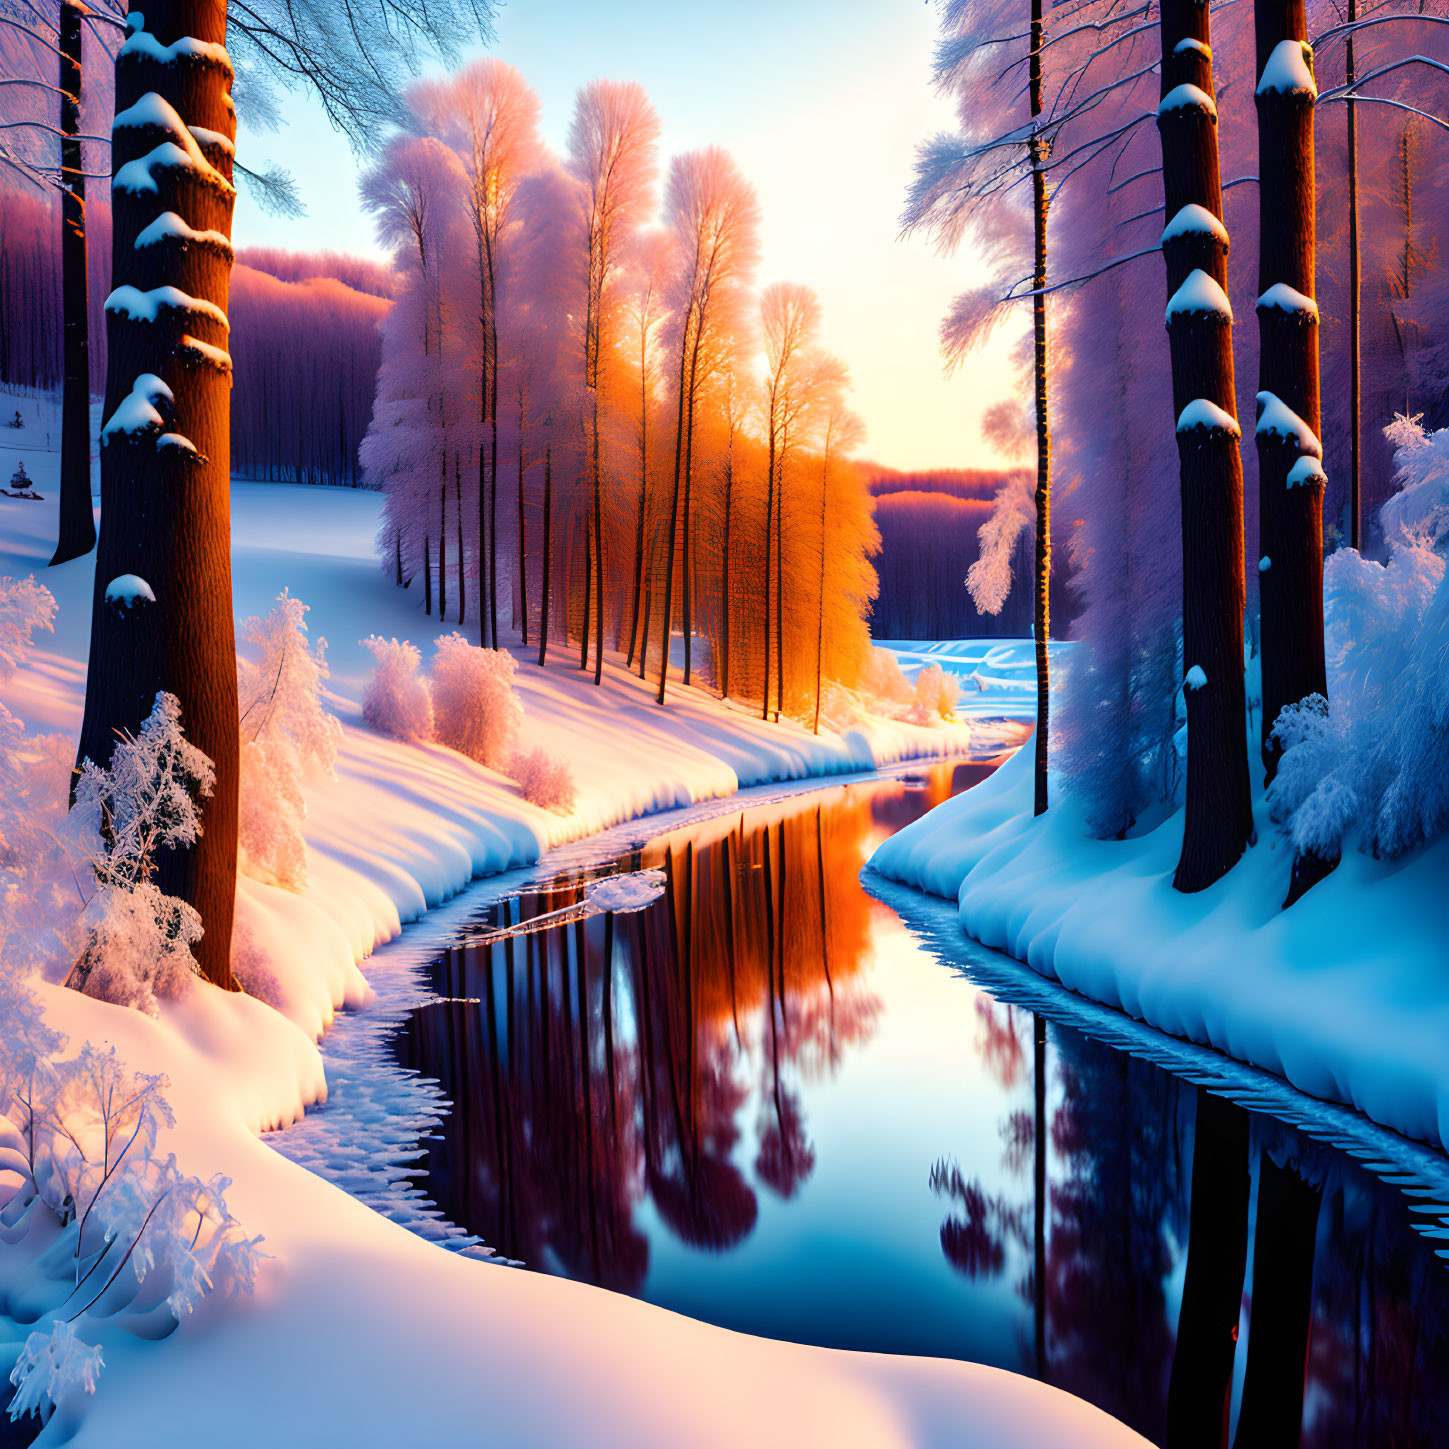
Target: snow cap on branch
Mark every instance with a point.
(1195, 220)
(1306, 471)
(1283, 298)
(1199, 296)
(1277, 420)
(1205, 415)
(136, 414)
(1287, 71)
(127, 590)
(1187, 98)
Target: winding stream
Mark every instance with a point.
(770, 1101)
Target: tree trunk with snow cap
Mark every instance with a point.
(1290, 475)
(1219, 818)
(76, 534)
(162, 608)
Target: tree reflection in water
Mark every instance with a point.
(618, 1057)
(638, 1090)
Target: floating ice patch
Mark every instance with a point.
(136, 414)
(1196, 677)
(1199, 296)
(1264, 564)
(1203, 413)
(1194, 220)
(1283, 298)
(1277, 420)
(1187, 98)
(1287, 72)
(128, 590)
(624, 892)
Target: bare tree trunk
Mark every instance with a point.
(1041, 624)
(769, 556)
(820, 610)
(687, 565)
(643, 488)
(443, 543)
(547, 552)
(780, 592)
(1219, 819)
(522, 522)
(1271, 1413)
(1201, 1387)
(673, 521)
(427, 575)
(166, 515)
(458, 499)
(492, 597)
(724, 669)
(77, 525)
(599, 549)
(1290, 476)
(588, 588)
(1355, 291)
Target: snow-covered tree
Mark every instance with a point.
(286, 735)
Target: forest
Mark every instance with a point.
(384, 624)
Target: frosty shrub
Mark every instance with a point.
(937, 693)
(251, 965)
(112, 1215)
(883, 682)
(54, 1365)
(544, 779)
(475, 708)
(25, 606)
(397, 702)
(138, 940)
(285, 734)
(1373, 760)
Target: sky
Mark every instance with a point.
(821, 102)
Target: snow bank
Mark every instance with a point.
(351, 1298)
(1344, 994)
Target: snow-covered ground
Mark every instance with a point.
(361, 1332)
(1345, 994)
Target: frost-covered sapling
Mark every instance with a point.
(475, 708)
(398, 701)
(114, 1216)
(936, 695)
(1375, 762)
(285, 734)
(139, 940)
(544, 779)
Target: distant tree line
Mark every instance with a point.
(306, 346)
(571, 427)
(929, 527)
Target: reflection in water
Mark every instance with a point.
(760, 1102)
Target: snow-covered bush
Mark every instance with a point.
(285, 734)
(883, 682)
(398, 701)
(544, 779)
(1374, 758)
(936, 695)
(111, 1216)
(139, 940)
(475, 708)
(251, 964)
